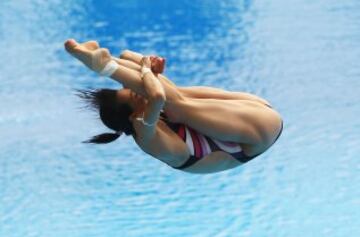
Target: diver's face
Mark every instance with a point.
(131, 98)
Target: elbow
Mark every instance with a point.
(158, 97)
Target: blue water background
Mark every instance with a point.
(302, 56)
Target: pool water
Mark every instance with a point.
(302, 56)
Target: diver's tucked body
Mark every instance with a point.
(195, 129)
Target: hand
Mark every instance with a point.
(157, 64)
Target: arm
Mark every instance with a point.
(200, 92)
(155, 91)
(130, 79)
(156, 99)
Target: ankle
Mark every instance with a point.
(100, 58)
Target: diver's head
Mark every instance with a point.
(115, 108)
(127, 96)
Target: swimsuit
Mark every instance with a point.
(200, 145)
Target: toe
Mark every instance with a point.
(70, 45)
(92, 45)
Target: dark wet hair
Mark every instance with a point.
(114, 114)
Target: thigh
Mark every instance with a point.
(204, 92)
(238, 121)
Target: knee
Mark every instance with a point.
(125, 54)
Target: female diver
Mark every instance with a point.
(194, 129)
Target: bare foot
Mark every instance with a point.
(89, 53)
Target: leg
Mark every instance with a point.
(131, 56)
(203, 92)
(242, 120)
(199, 92)
(129, 78)
(219, 131)
(128, 64)
(136, 59)
(239, 121)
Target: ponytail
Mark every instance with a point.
(103, 138)
(113, 113)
